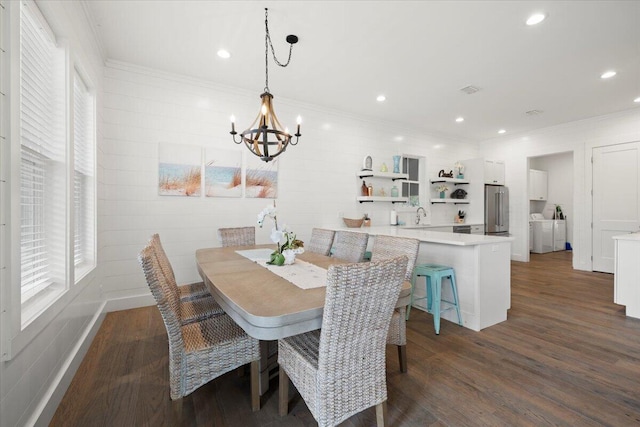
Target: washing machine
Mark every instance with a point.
(542, 229)
(559, 235)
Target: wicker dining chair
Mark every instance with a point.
(187, 292)
(321, 241)
(199, 351)
(340, 370)
(385, 247)
(237, 236)
(195, 300)
(350, 246)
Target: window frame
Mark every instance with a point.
(14, 334)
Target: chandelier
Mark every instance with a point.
(265, 137)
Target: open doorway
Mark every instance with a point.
(551, 210)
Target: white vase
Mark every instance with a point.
(289, 256)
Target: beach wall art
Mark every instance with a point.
(179, 170)
(222, 173)
(261, 180)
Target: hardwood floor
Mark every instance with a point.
(566, 356)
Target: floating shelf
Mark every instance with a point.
(364, 199)
(454, 201)
(388, 175)
(454, 181)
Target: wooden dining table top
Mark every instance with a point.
(265, 305)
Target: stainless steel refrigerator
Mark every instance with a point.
(496, 210)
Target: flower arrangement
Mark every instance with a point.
(459, 168)
(287, 246)
(442, 188)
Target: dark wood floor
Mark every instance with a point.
(566, 356)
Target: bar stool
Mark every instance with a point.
(434, 274)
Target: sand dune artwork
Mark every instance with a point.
(179, 170)
(261, 180)
(222, 173)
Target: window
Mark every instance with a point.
(83, 178)
(411, 187)
(43, 168)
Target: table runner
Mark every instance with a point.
(301, 273)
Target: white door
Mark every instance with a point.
(616, 199)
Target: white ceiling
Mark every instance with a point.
(419, 54)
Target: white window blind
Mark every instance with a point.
(83, 176)
(42, 173)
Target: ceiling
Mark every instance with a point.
(419, 54)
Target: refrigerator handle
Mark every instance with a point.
(500, 207)
(497, 211)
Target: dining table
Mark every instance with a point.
(265, 304)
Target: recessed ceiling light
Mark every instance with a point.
(501, 131)
(460, 119)
(224, 54)
(536, 18)
(637, 99)
(608, 74)
(398, 138)
(381, 98)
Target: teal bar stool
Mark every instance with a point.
(434, 274)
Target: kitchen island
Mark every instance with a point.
(626, 289)
(482, 265)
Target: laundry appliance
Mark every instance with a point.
(548, 234)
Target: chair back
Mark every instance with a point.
(385, 247)
(321, 241)
(168, 302)
(350, 246)
(360, 299)
(237, 236)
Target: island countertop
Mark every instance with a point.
(629, 236)
(426, 236)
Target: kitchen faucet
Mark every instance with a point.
(424, 213)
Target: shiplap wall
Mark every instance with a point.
(317, 178)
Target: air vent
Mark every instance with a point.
(534, 112)
(470, 90)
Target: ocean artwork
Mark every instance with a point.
(222, 173)
(179, 170)
(261, 180)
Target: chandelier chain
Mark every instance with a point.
(267, 45)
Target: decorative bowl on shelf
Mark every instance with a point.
(353, 223)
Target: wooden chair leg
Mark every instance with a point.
(402, 358)
(255, 386)
(283, 393)
(381, 414)
(177, 411)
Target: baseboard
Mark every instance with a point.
(52, 398)
(126, 303)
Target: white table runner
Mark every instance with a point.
(301, 273)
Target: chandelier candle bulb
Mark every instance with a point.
(233, 125)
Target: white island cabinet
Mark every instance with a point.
(482, 265)
(627, 273)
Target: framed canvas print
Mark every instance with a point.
(261, 178)
(222, 173)
(179, 170)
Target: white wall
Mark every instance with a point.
(46, 353)
(317, 178)
(579, 137)
(559, 169)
